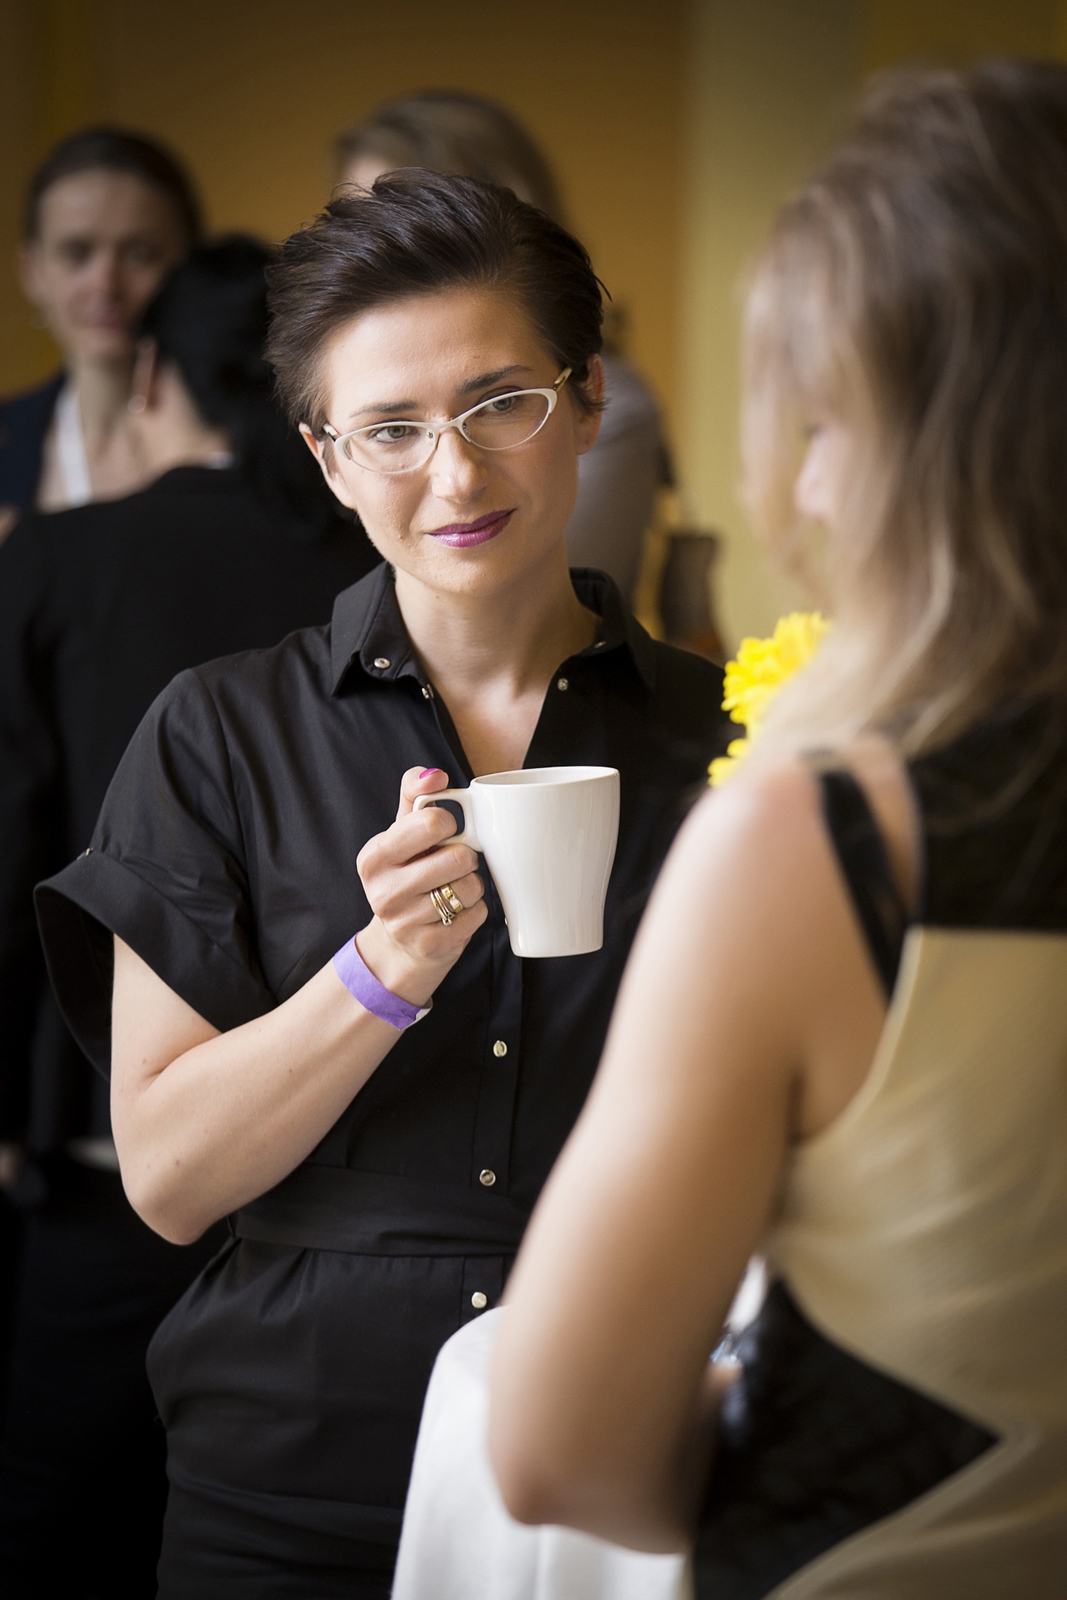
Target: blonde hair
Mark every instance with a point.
(917, 288)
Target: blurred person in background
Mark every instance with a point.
(841, 1040)
(235, 543)
(108, 214)
(444, 131)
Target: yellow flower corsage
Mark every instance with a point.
(757, 674)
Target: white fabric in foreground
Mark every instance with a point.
(458, 1541)
(70, 448)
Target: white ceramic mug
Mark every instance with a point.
(548, 836)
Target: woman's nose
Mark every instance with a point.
(458, 469)
(105, 273)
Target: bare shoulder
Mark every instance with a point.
(772, 818)
(757, 820)
(750, 874)
(752, 895)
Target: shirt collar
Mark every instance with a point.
(368, 630)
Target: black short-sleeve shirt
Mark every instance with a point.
(292, 1373)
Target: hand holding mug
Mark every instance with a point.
(408, 946)
(548, 835)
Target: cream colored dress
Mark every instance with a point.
(925, 1232)
(899, 1431)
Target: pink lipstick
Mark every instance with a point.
(462, 535)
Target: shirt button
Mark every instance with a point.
(479, 1301)
(381, 662)
(427, 692)
(487, 1177)
(500, 1048)
(561, 683)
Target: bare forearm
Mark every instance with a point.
(657, 1505)
(205, 1122)
(231, 1116)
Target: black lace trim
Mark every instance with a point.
(814, 1446)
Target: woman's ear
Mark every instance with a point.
(588, 424)
(334, 480)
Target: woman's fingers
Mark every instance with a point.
(406, 944)
(469, 891)
(450, 864)
(420, 851)
(416, 781)
(397, 895)
(400, 866)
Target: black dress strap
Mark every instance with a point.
(864, 862)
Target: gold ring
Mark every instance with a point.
(446, 903)
(451, 899)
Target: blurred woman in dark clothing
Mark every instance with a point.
(235, 543)
(108, 214)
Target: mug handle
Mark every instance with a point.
(462, 797)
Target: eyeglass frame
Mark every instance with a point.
(434, 433)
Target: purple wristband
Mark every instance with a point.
(373, 996)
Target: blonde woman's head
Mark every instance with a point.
(906, 355)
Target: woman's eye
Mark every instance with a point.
(392, 433)
(75, 252)
(143, 255)
(501, 405)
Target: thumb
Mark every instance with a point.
(416, 781)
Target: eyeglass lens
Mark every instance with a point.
(499, 424)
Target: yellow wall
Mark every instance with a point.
(251, 92)
(768, 82)
(959, 30)
(677, 128)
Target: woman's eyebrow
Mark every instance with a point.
(383, 405)
(482, 381)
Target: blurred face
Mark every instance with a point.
(363, 171)
(105, 241)
(471, 521)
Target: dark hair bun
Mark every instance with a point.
(210, 321)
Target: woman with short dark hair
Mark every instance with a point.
(446, 130)
(437, 340)
(108, 213)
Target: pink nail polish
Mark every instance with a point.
(425, 773)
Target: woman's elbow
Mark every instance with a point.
(589, 1480)
(531, 1494)
(161, 1209)
(538, 1483)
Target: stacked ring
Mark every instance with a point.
(447, 903)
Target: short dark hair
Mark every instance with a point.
(106, 149)
(414, 233)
